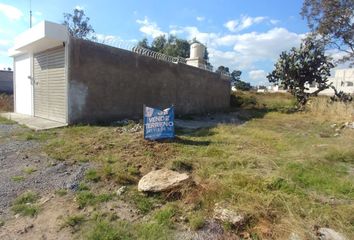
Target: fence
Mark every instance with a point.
(143, 51)
(160, 56)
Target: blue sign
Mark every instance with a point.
(159, 124)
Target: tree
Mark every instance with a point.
(144, 43)
(78, 25)
(223, 70)
(238, 83)
(173, 46)
(177, 47)
(301, 66)
(159, 43)
(333, 21)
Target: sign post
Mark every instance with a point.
(159, 124)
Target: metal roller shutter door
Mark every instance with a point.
(50, 85)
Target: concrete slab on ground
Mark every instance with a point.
(32, 122)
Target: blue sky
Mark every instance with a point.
(241, 34)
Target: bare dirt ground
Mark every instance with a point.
(24, 168)
(46, 176)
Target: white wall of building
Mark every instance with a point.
(343, 80)
(23, 84)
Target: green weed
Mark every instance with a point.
(25, 204)
(17, 178)
(29, 170)
(196, 221)
(92, 176)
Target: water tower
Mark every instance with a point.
(197, 53)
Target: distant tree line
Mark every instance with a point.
(235, 78)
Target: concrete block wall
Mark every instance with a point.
(107, 84)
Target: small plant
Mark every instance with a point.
(83, 187)
(125, 178)
(143, 204)
(37, 136)
(17, 178)
(196, 221)
(164, 216)
(108, 171)
(2, 223)
(29, 170)
(92, 176)
(61, 192)
(153, 231)
(85, 198)
(179, 165)
(74, 221)
(25, 204)
(133, 171)
(103, 230)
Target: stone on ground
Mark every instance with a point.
(226, 215)
(162, 180)
(329, 234)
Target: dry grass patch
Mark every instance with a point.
(6, 103)
(287, 171)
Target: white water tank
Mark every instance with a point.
(197, 51)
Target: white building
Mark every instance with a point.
(343, 80)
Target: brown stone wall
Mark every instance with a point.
(107, 84)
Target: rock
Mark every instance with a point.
(228, 216)
(294, 236)
(121, 190)
(162, 180)
(329, 234)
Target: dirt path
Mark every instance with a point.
(23, 167)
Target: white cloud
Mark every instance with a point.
(4, 42)
(150, 28)
(248, 52)
(267, 45)
(258, 76)
(246, 49)
(79, 7)
(200, 18)
(10, 12)
(102, 38)
(243, 23)
(116, 41)
(274, 21)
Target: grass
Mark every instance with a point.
(25, 204)
(17, 178)
(91, 175)
(196, 221)
(6, 102)
(86, 198)
(103, 230)
(164, 216)
(142, 202)
(284, 169)
(74, 221)
(61, 192)
(29, 170)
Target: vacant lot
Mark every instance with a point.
(288, 172)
